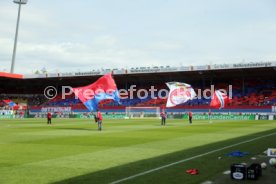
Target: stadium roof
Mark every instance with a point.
(11, 75)
(197, 78)
(159, 69)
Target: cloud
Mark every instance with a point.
(72, 56)
(74, 36)
(166, 46)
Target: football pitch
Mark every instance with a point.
(126, 151)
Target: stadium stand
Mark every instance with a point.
(252, 87)
(255, 95)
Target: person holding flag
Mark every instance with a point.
(163, 117)
(104, 88)
(190, 114)
(49, 118)
(180, 93)
(99, 119)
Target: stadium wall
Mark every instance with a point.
(264, 109)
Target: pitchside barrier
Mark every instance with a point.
(105, 116)
(149, 115)
(221, 117)
(6, 116)
(232, 117)
(265, 117)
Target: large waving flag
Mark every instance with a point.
(10, 103)
(104, 88)
(219, 100)
(179, 93)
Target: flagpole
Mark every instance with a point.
(19, 2)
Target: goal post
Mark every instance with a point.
(142, 112)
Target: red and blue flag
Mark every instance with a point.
(219, 100)
(9, 102)
(104, 88)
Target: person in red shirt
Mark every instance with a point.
(163, 117)
(99, 119)
(21, 114)
(190, 117)
(49, 118)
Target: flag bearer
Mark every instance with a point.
(99, 119)
(190, 117)
(163, 118)
(49, 118)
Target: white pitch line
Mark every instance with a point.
(187, 159)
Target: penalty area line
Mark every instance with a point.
(190, 158)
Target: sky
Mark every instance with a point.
(82, 35)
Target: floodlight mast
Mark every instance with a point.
(19, 2)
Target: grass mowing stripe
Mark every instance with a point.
(191, 158)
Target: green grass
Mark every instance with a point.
(73, 151)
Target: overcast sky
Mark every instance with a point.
(73, 35)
